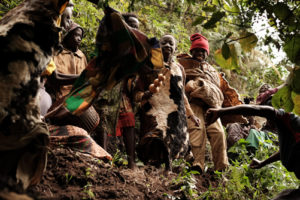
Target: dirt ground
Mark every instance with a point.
(75, 175)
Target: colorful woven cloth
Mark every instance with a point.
(77, 139)
(125, 120)
(121, 51)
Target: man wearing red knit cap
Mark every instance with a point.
(203, 90)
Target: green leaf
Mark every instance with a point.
(216, 16)
(283, 99)
(295, 83)
(225, 51)
(209, 8)
(282, 11)
(198, 20)
(248, 41)
(231, 7)
(215, 2)
(292, 49)
(296, 100)
(230, 63)
(194, 172)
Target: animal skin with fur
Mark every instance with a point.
(29, 36)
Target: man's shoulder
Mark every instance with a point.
(183, 55)
(208, 67)
(80, 54)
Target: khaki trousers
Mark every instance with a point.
(215, 135)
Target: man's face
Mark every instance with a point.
(66, 18)
(133, 22)
(168, 45)
(199, 54)
(74, 40)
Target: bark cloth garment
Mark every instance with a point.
(28, 35)
(163, 117)
(203, 90)
(68, 62)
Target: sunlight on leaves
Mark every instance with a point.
(292, 49)
(232, 61)
(283, 99)
(248, 41)
(198, 20)
(217, 16)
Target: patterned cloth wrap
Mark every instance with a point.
(122, 51)
(77, 139)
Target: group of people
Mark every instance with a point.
(172, 104)
(177, 107)
(157, 100)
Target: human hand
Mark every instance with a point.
(256, 164)
(195, 119)
(211, 116)
(146, 95)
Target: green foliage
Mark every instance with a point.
(284, 16)
(227, 57)
(186, 181)
(225, 51)
(88, 191)
(7, 5)
(87, 16)
(248, 41)
(288, 97)
(296, 100)
(220, 21)
(292, 49)
(119, 159)
(295, 83)
(68, 178)
(216, 17)
(245, 183)
(283, 99)
(198, 20)
(88, 172)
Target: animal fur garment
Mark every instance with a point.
(163, 121)
(28, 37)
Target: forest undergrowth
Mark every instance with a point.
(74, 175)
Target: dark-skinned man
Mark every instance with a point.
(203, 91)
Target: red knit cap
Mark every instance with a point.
(199, 41)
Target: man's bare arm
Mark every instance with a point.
(247, 110)
(256, 164)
